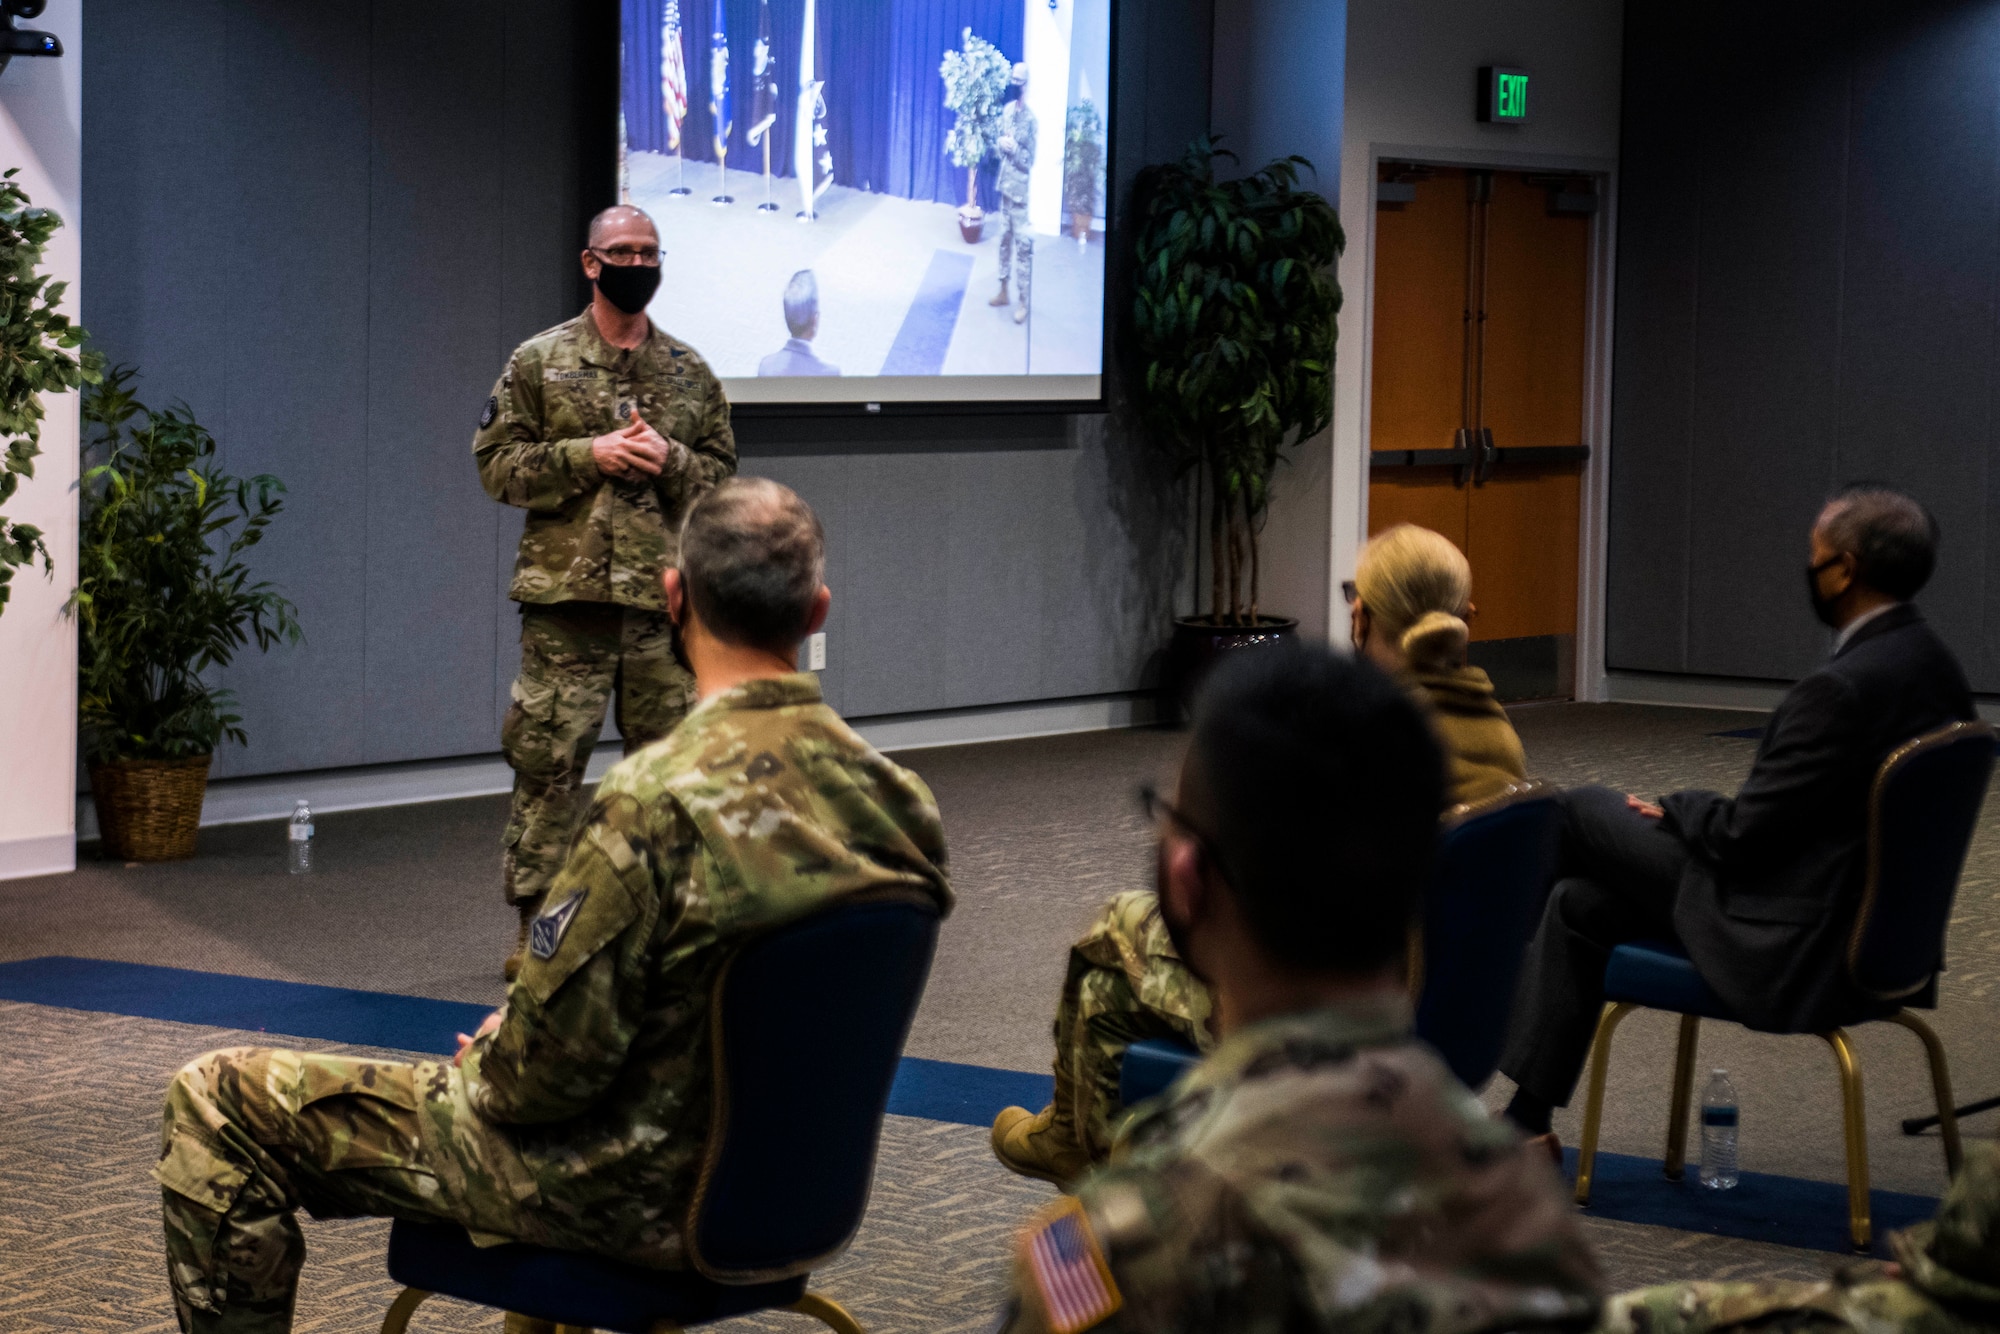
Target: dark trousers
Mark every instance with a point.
(1616, 879)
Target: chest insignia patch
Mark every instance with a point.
(547, 931)
(491, 411)
(1069, 1269)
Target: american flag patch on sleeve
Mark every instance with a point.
(1074, 1282)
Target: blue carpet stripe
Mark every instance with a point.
(927, 326)
(1784, 1210)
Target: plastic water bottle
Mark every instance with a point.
(1718, 1133)
(301, 834)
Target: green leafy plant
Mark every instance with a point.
(1233, 325)
(35, 358)
(1083, 160)
(163, 595)
(975, 89)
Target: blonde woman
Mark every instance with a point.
(1407, 607)
(1411, 594)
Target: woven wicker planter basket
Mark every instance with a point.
(149, 810)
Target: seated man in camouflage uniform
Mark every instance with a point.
(1945, 1280)
(576, 1117)
(1320, 1169)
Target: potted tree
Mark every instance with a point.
(35, 358)
(1233, 328)
(975, 87)
(162, 598)
(1083, 168)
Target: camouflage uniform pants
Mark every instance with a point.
(1017, 246)
(576, 657)
(250, 1137)
(1126, 983)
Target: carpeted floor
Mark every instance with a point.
(1041, 831)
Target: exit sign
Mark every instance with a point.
(1503, 95)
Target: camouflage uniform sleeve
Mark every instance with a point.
(517, 466)
(711, 454)
(578, 1003)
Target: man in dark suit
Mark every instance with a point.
(1760, 889)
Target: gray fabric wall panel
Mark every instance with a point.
(1659, 213)
(332, 243)
(1809, 253)
(436, 217)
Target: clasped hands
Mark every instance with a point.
(634, 450)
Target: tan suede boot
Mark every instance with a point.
(529, 909)
(1040, 1145)
(1001, 299)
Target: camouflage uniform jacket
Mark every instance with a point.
(1950, 1282)
(1017, 123)
(580, 1121)
(592, 538)
(1317, 1171)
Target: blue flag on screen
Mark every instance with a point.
(812, 158)
(718, 82)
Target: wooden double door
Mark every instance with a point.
(1477, 407)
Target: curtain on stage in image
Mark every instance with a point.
(877, 60)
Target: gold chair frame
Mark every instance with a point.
(1854, 1118)
(817, 1305)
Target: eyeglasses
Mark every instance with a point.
(623, 255)
(1158, 808)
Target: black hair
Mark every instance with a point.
(1891, 536)
(753, 555)
(1316, 784)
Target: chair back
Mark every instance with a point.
(1921, 814)
(1494, 865)
(809, 1022)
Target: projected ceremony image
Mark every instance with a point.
(875, 200)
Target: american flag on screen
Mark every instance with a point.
(1075, 1284)
(673, 74)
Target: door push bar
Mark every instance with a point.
(1473, 452)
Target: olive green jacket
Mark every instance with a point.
(592, 538)
(580, 1122)
(1482, 752)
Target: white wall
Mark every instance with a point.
(41, 118)
(1277, 92)
(1411, 76)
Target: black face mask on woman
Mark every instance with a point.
(628, 286)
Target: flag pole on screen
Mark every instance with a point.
(718, 103)
(674, 88)
(812, 158)
(763, 97)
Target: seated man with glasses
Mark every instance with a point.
(1411, 593)
(1321, 1168)
(606, 430)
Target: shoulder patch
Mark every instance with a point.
(547, 931)
(1062, 1255)
(491, 411)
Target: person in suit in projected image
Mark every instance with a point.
(796, 357)
(1761, 888)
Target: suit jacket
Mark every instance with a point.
(1774, 878)
(796, 357)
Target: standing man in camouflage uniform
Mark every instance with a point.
(1945, 1280)
(1320, 1169)
(576, 1117)
(605, 429)
(1017, 158)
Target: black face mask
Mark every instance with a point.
(628, 286)
(1823, 606)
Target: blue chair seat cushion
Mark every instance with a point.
(1150, 1066)
(1659, 975)
(566, 1287)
